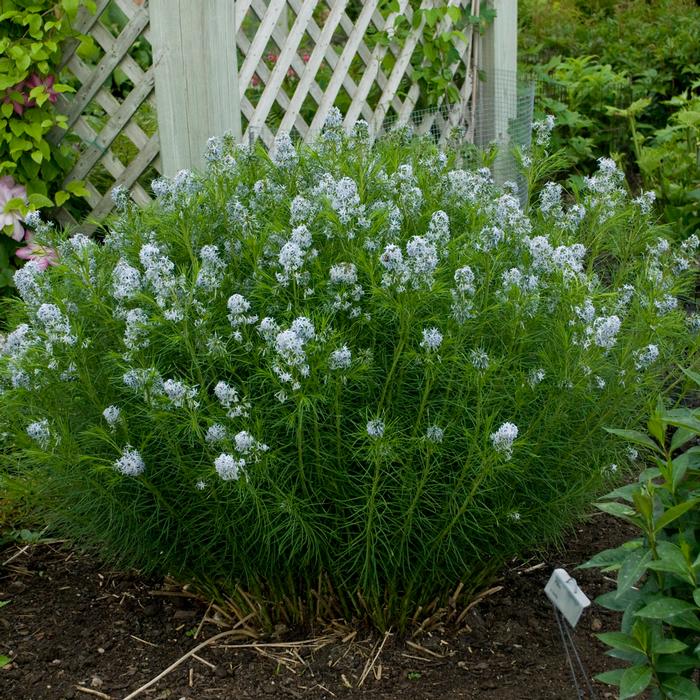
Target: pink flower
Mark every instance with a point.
(34, 81)
(9, 189)
(42, 256)
(305, 57)
(291, 73)
(17, 105)
(25, 87)
(255, 80)
(272, 57)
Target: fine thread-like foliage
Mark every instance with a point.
(352, 360)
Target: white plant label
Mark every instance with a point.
(566, 596)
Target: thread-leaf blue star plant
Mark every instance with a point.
(356, 363)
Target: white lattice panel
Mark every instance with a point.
(297, 59)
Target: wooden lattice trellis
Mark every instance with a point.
(370, 89)
(297, 59)
(96, 145)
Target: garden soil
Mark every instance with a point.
(76, 629)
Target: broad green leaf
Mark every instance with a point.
(696, 596)
(672, 560)
(624, 492)
(636, 437)
(673, 513)
(611, 557)
(690, 459)
(688, 621)
(611, 677)
(665, 609)
(455, 13)
(688, 421)
(657, 424)
(4, 660)
(632, 569)
(643, 503)
(649, 474)
(634, 680)
(14, 204)
(675, 663)
(619, 510)
(37, 201)
(634, 658)
(611, 601)
(678, 688)
(70, 6)
(680, 437)
(669, 646)
(620, 640)
(77, 187)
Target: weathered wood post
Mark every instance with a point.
(196, 77)
(498, 93)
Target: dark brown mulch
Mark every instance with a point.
(71, 623)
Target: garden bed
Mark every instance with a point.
(72, 623)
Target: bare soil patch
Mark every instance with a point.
(77, 629)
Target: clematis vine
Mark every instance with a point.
(43, 256)
(19, 95)
(11, 221)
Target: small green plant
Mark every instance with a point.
(583, 90)
(32, 33)
(658, 574)
(600, 61)
(354, 364)
(669, 160)
(442, 27)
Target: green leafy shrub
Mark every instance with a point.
(668, 161)
(352, 360)
(579, 92)
(32, 33)
(655, 43)
(598, 63)
(658, 574)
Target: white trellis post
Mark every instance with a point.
(196, 77)
(498, 94)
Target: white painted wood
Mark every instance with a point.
(372, 71)
(241, 10)
(259, 43)
(196, 77)
(195, 44)
(499, 61)
(282, 27)
(397, 73)
(297, 64)
(112, 128)
(331, 56)
(104, 68)
(263, 73)
(314, 63)
(282, 65)
(343, 65)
